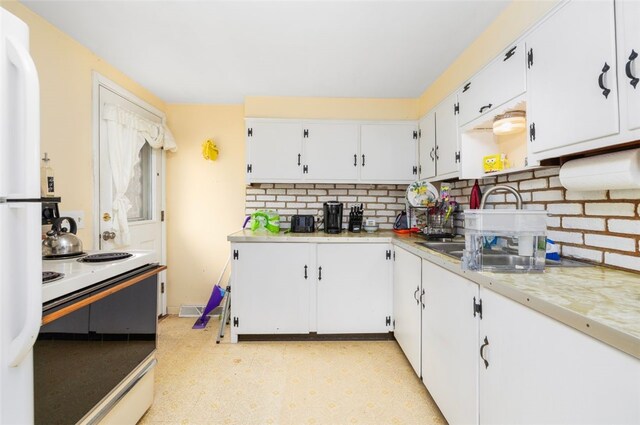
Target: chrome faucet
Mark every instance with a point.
(502, 188)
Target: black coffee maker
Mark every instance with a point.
(332, 217)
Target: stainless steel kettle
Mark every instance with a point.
(61, 242)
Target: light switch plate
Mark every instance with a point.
(78, 216)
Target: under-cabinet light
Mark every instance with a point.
(509, 123)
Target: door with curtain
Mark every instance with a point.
(143, 199)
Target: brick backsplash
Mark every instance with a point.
(382, 202)
(598, 226)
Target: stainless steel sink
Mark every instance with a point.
(443, 247)
(498, 258)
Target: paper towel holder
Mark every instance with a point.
(611, 171)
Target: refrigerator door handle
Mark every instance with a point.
(19, 56)
(22, 344)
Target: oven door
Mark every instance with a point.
(91, 341)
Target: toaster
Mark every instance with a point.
(303, 224)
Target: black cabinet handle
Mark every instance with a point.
(421, 296)
(299, 159)
(433, 158)
(633, 79)
(485, 107)
(605, 91)
(415, 295)
(510, 53)
(355, 160)
(482, 347)
(305, 271)
(319, 273)
(437, 156)
(363, 160)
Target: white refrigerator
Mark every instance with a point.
(20, 251)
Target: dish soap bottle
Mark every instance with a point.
(47, 184)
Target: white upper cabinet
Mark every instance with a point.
(502, 80)
(274, 151)
(330, 151)
(427, 149)
(572, 87)
(388, 152)
(628, 14)
(447, 140)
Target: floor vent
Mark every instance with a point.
(196, 311)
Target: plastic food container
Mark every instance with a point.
(505, 240)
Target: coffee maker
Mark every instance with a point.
(332, 217)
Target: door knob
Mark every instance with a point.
(106, 235)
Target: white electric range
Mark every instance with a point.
(79, 275)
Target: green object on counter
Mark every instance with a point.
(265, 220)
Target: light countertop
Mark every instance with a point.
(599, 301)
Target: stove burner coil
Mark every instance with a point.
(51, 276)
(63, 256)
(105, 256)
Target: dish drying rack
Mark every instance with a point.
(439, 217)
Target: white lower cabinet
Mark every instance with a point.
(540, 371)
(354, 288)
(490, 360)
(406, 304)
(449, 341)
(302, 287)
(270, 292)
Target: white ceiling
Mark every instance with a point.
(221, 51)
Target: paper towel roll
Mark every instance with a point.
(619, 170)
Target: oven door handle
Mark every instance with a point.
(115, 400)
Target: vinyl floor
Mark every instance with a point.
(283, 383)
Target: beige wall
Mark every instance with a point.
(205, 199)
(65, 69)
(330, 108)
(519, 16)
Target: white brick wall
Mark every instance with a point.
(381, 202)
(598, 226)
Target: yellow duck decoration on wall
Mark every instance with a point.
(209, 150)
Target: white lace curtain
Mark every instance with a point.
(127, 133)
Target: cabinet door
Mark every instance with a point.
(541, 371)
(406, 305)
(572, 88)
(330, 151)
(447, 136)
(354, 288)
(628, 12)
(388, 152)
(449, 343)
(502, 80)
(274, 150)
(427, 152)
(270, 292)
